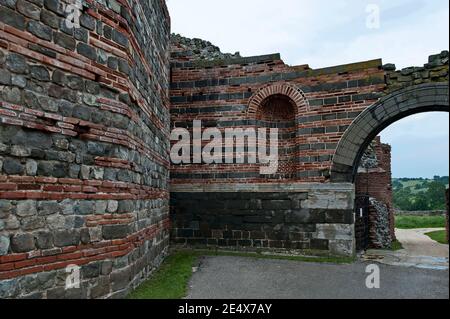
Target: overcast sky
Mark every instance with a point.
(324, 33)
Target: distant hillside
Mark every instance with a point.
(415, 194)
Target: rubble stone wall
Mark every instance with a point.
(376, 181)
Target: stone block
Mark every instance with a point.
(44, 240)
(40, 30)
(4, 245)
(335, 232)
(12, 18)
(115, 231)
(21, 243)
(120, 279)
(63, 238)
(342, 247)
(26, 208)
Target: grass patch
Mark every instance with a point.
(396, 245)
(440, 236)
(319, 259)
(171, 280)
(412, 222)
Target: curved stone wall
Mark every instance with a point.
(84, 126)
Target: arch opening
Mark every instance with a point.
(279, 111)
(277, 108)
(392, 108)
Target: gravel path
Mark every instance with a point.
(416, 243)
(250, 278)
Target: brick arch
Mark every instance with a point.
(392, 108)
(291, 91)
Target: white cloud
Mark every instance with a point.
(406, 45)
(319, 33)
(420, 145)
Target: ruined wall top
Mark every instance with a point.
(197, 49)
(436, 70)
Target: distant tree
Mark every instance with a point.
(429, 194)
(397, 184)
(420, 202)
(402, 199)
(436, 195)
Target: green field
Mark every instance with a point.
(413, 222)
(440, 236)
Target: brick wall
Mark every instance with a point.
(313, 110)
(237, 92)
(219, 93)
(84, 125)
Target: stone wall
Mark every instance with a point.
(197, 49)
(420, 213)
(84, 126)
(289, 218)
(380, 226)
(436, 70)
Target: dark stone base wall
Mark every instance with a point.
(249, 220)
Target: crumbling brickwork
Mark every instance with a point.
(376, 182)
(436, 70)
(84, 126)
